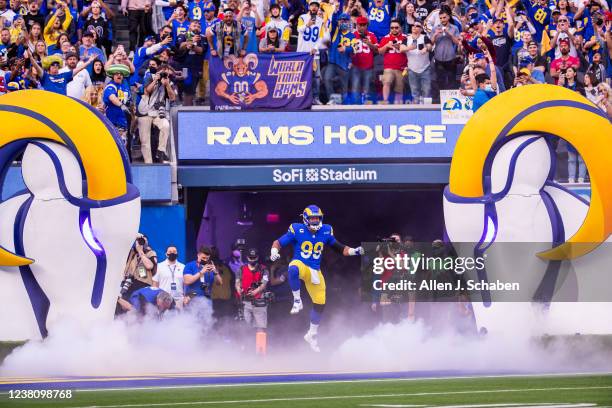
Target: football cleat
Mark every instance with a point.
(311, 339)
(313, 211)
(297, 306)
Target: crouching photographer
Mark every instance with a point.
(140, 267)
(153, 110)
(251, 283)
(148, 301)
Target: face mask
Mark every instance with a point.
(473, 16)
(252, 262)
(236, 254)
(172, 257)
(344, 26)
(488, 88)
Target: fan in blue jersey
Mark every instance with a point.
(309, 240)
(539, 14)
(380, 18)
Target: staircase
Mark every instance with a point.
(121, 34)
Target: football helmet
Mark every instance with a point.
(310, 212)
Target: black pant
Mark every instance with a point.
(140, 26)
(446, 74)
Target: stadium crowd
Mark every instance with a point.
(382, 51)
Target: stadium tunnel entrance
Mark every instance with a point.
(223, 217)
(358, 214)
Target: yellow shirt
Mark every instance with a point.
(51, 35)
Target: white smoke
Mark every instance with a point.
(187, 343)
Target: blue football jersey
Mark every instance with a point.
(308, 246)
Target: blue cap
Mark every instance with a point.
(210, 7)
(344, 16)
(480, 55)
(149, 38)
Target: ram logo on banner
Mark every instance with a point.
(456, 109)
(261, 81)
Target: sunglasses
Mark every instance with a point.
(394, 28)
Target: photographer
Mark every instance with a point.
(153, 110)
(199, 276)
(251, 283)
(140, 299)
(140, 267)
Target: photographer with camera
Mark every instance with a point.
(199, 276)
(140, 267)
(153, 110)
(251, 283)
(140, 300)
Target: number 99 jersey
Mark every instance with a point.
(307, 245)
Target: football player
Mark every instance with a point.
(308, 241)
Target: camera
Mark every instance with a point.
(125, 285)
(563, 71)
(163, 75)
(141, 241)
(420, 46)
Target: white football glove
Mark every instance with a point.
(355, 251)
(274, 254)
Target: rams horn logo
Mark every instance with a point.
(74, 165)
(541, 110)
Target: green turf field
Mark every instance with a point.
(555, 391)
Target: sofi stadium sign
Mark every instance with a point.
(204, 135)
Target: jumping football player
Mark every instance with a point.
(308, 241)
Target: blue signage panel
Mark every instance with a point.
(316, 134)
(313, 175)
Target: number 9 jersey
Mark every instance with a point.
(307, 245)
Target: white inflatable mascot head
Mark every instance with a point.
(502, 190)
(64, 240)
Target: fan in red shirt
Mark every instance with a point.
(394, 62)
(364, 46)
(560, 65)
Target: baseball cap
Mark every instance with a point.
(314, 2)
(556, 11)
(210, 7)
(524, 71)
(88, 34)
(479, 55)
(564, 41)
(252, 253)
(361, 20)
(344, 16)
(149, 38)
(72, 54)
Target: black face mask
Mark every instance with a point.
(172, 257)
(252, 262)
